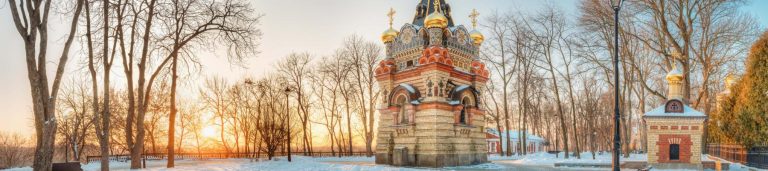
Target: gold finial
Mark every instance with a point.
(437, 5)
(391, 15)
(474, 16)
(390, 34)
(676, 55)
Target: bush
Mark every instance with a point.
(14, 151)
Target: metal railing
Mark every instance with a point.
(752, 157)
(201, 156)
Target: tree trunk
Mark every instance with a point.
(172, 117)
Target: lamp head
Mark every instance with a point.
(616, 3)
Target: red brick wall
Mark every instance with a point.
(498, 147)
(685, 147)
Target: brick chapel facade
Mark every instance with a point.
(674, 130)
(430, 112)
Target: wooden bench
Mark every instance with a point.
(71, 166)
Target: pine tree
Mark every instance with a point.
(751, 103)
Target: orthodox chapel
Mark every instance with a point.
(674, 129)
(430, 113)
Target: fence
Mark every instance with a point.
(182, 156)
(753, 157)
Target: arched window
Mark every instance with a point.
(401, 114)
(674, 107)
(465, 103)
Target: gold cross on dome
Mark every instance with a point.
(474, 16)
(391, 15)
(437, 5)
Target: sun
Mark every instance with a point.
(209, 131)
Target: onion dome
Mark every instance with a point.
(675, 74)
(436, 20)
(389, 35)
(477, 37)
(730, 80)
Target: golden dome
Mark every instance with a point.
(436, 20)
(675, 74)
(389, 35)
(730, 80)
(477, 37)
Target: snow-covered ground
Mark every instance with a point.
(551, 159)
(545, 159)
(299, 163)
(536, 161)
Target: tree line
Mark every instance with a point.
(550, 77)
(150, 38)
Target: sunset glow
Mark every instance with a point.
(209, 132)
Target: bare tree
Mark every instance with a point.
(191, 122)
(31, 21)
(499, 56)
(214, 97)
(270, 121)
(102, 114)
(364, 55)
(295, 67)
(200, 23)
(549, 27)
(75, 119)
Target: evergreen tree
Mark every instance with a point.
(751, 103)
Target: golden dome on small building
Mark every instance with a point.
(730, 80)
(675, 74)
(477, 37)
(436, 20)
(389, 35)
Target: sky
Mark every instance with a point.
(315, 26)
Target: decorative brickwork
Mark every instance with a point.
(664, 142)
(430, 113)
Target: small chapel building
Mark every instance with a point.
(674, 130)
(430, 113)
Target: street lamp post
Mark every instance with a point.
(288, 120)
(616, 5)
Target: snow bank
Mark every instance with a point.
(344, 159)
(496, 157)
(586, 157)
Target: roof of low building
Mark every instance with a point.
(514, 134)
(687, 112)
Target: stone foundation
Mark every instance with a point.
(434, 160)
(434, 140)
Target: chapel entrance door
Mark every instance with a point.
(674, 152)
